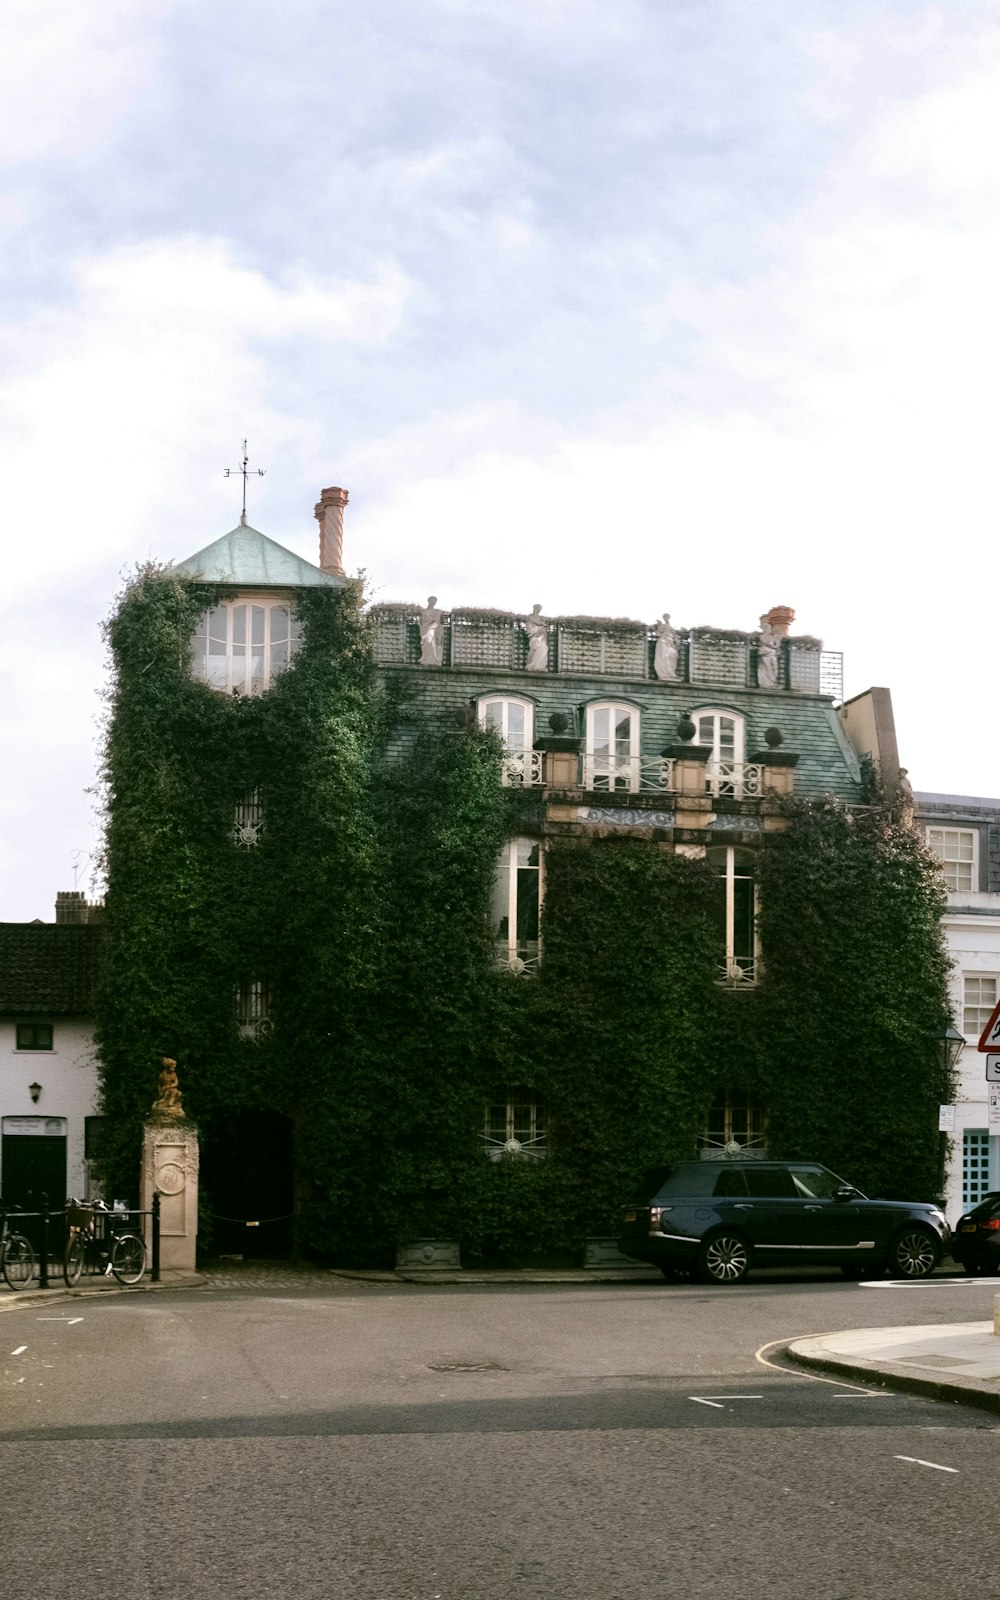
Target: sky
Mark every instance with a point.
(684, 305)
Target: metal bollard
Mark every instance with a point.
(43, 1246)
(155, 1273)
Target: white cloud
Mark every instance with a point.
(69, 70)
(162, 353)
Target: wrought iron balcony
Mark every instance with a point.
(521, 769)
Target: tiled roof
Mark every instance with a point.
(48, 968)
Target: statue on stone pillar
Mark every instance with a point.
(537, 628)
(767, 654)
(431, 634)
(168, 1102)
(665, 651)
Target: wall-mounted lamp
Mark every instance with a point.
(35, 1090)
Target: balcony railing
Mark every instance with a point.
(736, 780)
(522, 768)
(629, 776)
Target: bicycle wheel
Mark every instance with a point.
(18, 1261)
(73, 1258)
(128, 1258)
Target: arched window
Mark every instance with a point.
(736, 914)
(726, 772)
(517, 898)
(514, 721)
(242, 645)
(612, 756)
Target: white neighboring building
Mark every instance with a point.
(964, 834)
(48, 1074)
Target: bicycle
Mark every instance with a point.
(17, 1259)
(95, 1242)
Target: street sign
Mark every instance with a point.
(946, 1119)
(994, 1116)
(990, 1039)
(993, 1069)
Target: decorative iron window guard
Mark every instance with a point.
(522, 769)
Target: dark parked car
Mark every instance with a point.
(719, 1218)
(976, 1239)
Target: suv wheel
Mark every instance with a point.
(724, 1258)
(913, 1254)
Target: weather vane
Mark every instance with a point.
(227, 472)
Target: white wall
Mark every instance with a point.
(974, 945)
(68, 1076)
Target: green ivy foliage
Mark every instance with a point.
(365, 906)
(854, 996)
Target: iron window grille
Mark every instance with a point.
(515, 1125)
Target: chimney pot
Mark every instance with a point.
(329, 514)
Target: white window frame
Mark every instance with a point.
(522, 765)
(523, 1137)
(957, 849)
(977, 1007)
(234, 666)
(726, 772)
(518, 956)
(606, 768)
(738, 972)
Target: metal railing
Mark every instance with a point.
(521, 768)
(633, 775)
(47, 1232)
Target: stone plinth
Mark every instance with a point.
(433, 1253)
(170, 1166)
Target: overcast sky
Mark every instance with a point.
(613, 305)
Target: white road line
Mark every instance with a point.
(717, 1399)
(69, 1321)
(926, 1283)
(916, 1461)
(795, 1372)
(20, 1350)
(872, 1394)
(700, 1402)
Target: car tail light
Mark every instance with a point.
(991, 1226)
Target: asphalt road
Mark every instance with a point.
(401, 1442)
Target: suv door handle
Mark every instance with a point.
(743, 1207)
(812, 1208)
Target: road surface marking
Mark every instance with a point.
(20, 1350)
(794, 1372)
(716, 1399)
(925, 1283)
(69, 1321)
(916, 1461)
(872, 1394)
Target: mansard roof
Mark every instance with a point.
(48, 968)
(245, 558)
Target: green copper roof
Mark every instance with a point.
(250, 560)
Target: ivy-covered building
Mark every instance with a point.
(457, 920)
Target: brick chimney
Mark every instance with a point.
(72, 907)
(329, 514)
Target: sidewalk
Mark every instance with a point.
(958, 1361)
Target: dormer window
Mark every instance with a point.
(242, 645)
(514, 721)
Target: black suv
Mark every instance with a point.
(976, 1239)
(719, 1218)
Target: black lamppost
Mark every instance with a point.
(950, 1045)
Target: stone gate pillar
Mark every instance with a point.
(170, 1165)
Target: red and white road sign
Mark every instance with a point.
(990, 1039)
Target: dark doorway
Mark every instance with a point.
(246, 1185)
(34, 1163)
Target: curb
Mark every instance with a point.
(16, 1298)
(969, 1392)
